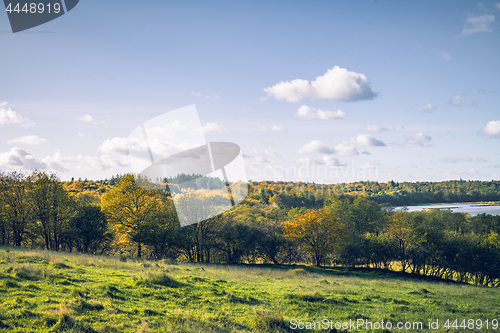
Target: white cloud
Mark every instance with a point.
(336, 84)
(8, 117)
(312, 113)
(345, 148)
(491, 129)
(381, 128)
(256, 157)
(29, 140)
(80, 134)
(475, 24)
(369, 141)
(427, 108)
(278, 129)
(275, 128)
(497, 5)
(420, 139)
(315, 147)
(213, 127)
(60, 163)
(115, 145)
(462, 101)
(198, 94)
(86, 118)
(446, 56)
(17, 159)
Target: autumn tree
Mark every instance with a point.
(319, 231)
(128, 207)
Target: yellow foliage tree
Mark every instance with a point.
(129, 206)
(319, 231)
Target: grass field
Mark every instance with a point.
(44, 291)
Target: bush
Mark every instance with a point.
(266, 321)
(161, 279)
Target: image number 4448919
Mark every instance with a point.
(27, 14)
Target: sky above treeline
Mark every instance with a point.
(323, 91)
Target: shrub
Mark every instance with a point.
(266, 321)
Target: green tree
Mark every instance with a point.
(16, 208)
(88, 229)
(53, 208)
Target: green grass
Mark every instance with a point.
(44, 291)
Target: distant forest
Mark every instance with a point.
(351, 225)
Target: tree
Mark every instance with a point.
(128, 207)
(52, 207)
(319, 231)
(402, 231)
(88, 228)
(15, 208)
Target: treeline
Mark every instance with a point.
(37, 211)
(393, 193)
(280, 223)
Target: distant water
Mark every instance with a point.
(457, 208)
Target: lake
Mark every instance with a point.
(473, 209)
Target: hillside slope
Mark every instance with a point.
(43, 291)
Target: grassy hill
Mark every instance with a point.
(43, 291)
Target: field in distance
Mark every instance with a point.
(43, 291)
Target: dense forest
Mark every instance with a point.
(278, 222)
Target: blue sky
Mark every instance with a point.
(324, 91)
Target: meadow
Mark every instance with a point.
(43, 291)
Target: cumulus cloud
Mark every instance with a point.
(8, 117)
(427, 108)
(115, 145)
(213, 127)
(446, 56)
(336, 84)
(346, 148)
(475, 24)
(312, 113)
(382, 128)
(492, 129)
(315, 147)
(369, 141)
(60, 163)
(29, 140)
(462, 101)
(420, 139)
(17, 159)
